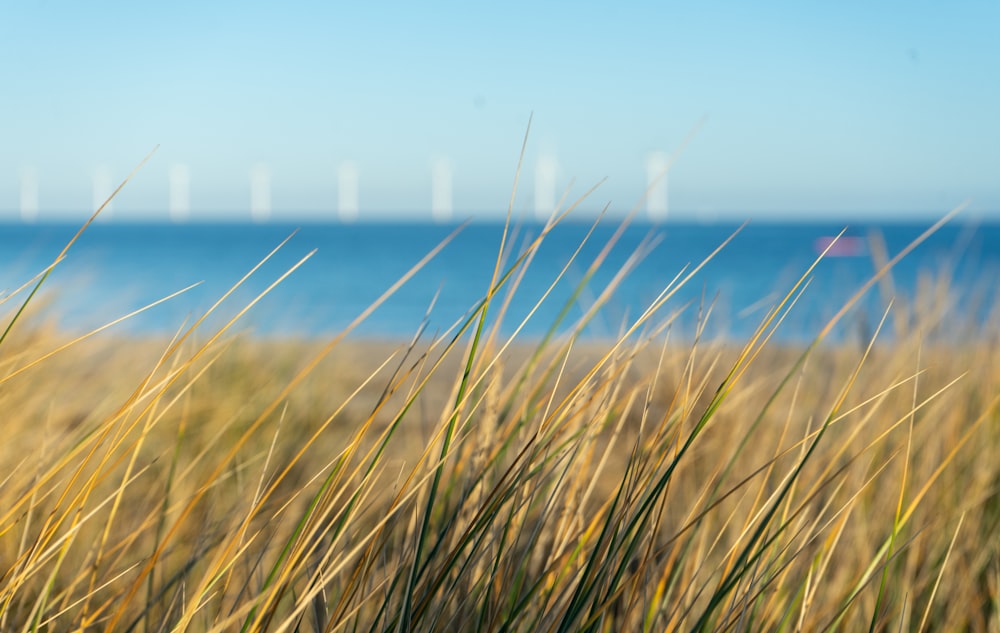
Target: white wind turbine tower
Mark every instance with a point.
(657, 164)
(29, 195)
(545, 186)
(347, 191)
(101, 190)
(260, 193)
(441, 190)
(180, 193)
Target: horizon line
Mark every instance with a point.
(404, 217)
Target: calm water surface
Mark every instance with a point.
(115, 268)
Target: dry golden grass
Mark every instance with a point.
(218, 482)
(213, 482)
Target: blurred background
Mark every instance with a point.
(344, 114)
(329, 109)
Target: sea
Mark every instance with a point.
(115, 269)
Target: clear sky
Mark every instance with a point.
(827, 109)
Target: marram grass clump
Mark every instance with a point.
(472, 482)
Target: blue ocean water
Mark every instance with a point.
(116, 268)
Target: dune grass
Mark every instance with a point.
(473, 481)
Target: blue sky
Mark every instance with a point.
(810, 109)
